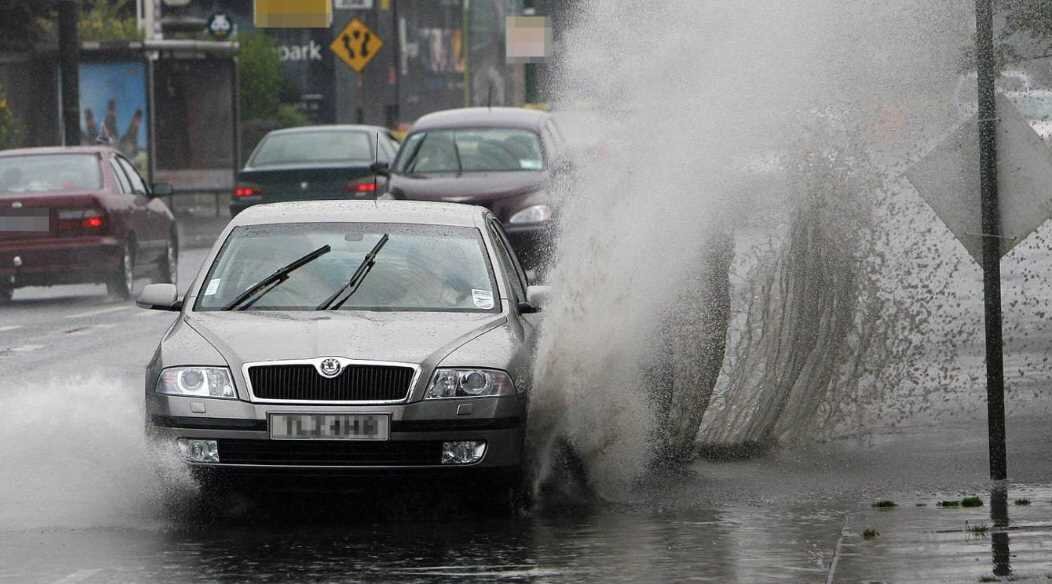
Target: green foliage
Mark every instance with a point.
(108, 20)
(290, 117)
(24, 22)
(260, 79)
(10, 133)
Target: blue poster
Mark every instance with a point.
(113, 108)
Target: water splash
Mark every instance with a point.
(75, 455)
(781, 127)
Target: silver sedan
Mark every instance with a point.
(344, 338)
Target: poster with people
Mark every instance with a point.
(113, 108)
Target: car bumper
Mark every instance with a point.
(417, 433)
(53, 261)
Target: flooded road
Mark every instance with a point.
(785, 517)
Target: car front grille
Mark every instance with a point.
(330, 453)
(302, 382)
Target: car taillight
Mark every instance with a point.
(360, 187)
(81, 221)
(243, 191)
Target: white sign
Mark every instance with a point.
(948, 179)
(353, 4)
(307, 52)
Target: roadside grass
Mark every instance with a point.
(885, 504)
(1022, 502)
(869, 533)
(976, 528)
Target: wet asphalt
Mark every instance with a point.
(79, 503)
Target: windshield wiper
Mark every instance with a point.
(258, 290)
(357, 278)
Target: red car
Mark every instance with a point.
(81, 215)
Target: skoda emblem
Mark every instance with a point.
(304, 186)
(330, 367)
(16, 205)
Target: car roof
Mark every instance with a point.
(58, 150)
(413, 212)
(327, 128)
(483, 117)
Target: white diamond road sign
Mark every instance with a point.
(948, 179)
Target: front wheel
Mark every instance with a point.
(123, 278)
(5, 294)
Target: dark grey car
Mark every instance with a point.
(383, 338)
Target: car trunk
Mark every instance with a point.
(30, 216)
(305, 183)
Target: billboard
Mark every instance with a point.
(113, 108)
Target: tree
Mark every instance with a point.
(9, 131)
(108, 20)
(260, 77)
(23, 23)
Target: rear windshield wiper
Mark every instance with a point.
(357, 278)
(249, 297)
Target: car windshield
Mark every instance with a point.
(478, 150)
(49, 172)
(420, 268)
(315, 148)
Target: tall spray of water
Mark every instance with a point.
(739, 141)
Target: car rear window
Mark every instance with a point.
(314, 148)
(34, 173)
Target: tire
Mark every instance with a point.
(121, 281)
(169, 267)
(5, 294)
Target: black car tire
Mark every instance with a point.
(121, 280)
(169, 268)
(5, 294)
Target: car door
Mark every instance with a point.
(516, 278)
(124, 212)
(150, 216)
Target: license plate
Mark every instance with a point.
(330, 426)
(26, 222)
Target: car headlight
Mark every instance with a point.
(197, 382)
(532, 214)
(461, 383)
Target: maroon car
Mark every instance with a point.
(81, 215)
(505, 159)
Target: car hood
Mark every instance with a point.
(407, 337)
(473, 188)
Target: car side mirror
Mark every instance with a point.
(159, 297)
(161, 190)
(537, 298)
(380, 168)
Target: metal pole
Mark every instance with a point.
(69, 70)
(466, 44)
(991, 224)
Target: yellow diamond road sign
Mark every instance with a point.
(356, 45)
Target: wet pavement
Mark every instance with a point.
(81, 502)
